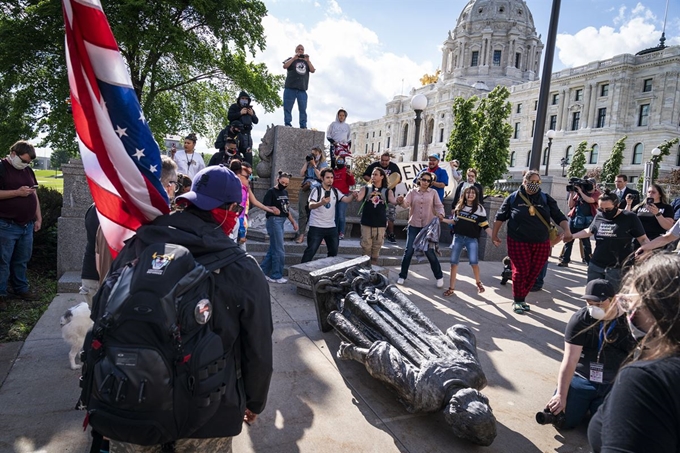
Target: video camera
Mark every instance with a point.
(584, 184)
(546, 417)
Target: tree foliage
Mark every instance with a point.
(665, 148)
(612, 166)
(464, 135)
(491, 154)
(59, 157)
(577, 168)
(187, 60)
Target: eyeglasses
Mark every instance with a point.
(24, 161)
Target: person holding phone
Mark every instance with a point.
(298, 68)
(20, 217)
(322, 201)
(655, 214)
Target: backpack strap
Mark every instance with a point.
(221, 259)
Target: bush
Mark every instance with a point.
(44, 257)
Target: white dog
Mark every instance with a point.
(74, 326)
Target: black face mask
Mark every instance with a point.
(339, 165)
(609, 215)
(282, 187)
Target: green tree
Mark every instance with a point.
(612, 166)
(187, 61)
(491, 154)
(59, 157)
(465, 133)
(665, 148)
(577, 168)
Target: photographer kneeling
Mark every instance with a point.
(596, 342)
(583, 208)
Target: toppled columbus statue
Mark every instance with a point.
(401, 347)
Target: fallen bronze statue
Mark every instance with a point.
(401, 347)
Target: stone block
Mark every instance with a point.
(69, 282)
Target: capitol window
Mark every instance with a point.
(578, 95)
(496, 57)
(604, 90)
(475, 58)
(513, 158)
(555, 99)
(637, 153)
(647, 86)
(601, 116)
(594, 154)
(643, 117)
(519, 108)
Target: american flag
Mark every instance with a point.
(122, 160)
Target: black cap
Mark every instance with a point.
(599, 290)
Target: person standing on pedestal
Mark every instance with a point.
(295, 88)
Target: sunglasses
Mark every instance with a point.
(428, 180)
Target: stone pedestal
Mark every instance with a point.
(71, 224)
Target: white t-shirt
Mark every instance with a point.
(324, 216)
(675, 229)
(189, 164)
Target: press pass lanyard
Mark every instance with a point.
(602, 337)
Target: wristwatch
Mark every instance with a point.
(657, 214)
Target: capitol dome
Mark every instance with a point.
(494, 41)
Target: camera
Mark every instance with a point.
(303, 55)
(309, 157)
(584, 184)
(546, 417)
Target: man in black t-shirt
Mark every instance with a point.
(596, 342)
(389, 167)
(295, 89)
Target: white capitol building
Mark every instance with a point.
(495, 43)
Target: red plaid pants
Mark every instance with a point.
(528, 258)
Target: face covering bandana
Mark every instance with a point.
(226, 219)
(609, 215)
(596, 312)
(532, 187)
(636, 332)
(18, 163)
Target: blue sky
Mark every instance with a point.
(367, 51)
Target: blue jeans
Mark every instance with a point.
(411, 234)
(583, 396)
(16, 246)
(340, 215)
(314, 238)
(290, 95)
(272, 264)
(472, 246)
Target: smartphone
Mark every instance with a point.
(650, 200)
(36, 186)
(327, 194)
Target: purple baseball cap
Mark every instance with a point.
(212, 187)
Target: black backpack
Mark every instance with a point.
(154, 370)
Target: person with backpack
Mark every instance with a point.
(376, 197)
(528, 211)
(322, 206)
(180, 354)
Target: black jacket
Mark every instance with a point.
(522, 226)
(244, 322)
(244, 142)
(234, 113)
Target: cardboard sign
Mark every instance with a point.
(409, 170)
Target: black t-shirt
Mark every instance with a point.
(297, 77)
(650, 223)
(89, 270)
(391, 168)
(642, 412)
(471, 224)
(374, 211)
(614, 337)
(614, 238)
(278, 199)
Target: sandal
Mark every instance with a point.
(300, 239)
(525, 306)
(449, 292)
(480, 288)
(517, 308)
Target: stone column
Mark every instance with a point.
(586, 107)
(565, 108)
(71, 225)
(560, 111)
(593, 105)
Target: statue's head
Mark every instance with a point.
(471, 417)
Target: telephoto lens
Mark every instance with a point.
(546, 417)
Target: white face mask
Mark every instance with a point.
(18, 163)
(635, 331)
(596, 312)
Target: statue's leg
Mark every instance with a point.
(348, 351)
(347, 330)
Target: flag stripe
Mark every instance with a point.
(108, 65)
(94, 26)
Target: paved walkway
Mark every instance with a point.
(318, 403)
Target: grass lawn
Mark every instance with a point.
(47, 178)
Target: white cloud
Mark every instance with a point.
(333, 8)
(637, 30)
(352, 70)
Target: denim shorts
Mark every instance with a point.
(472, 246)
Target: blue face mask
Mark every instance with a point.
(243, 102)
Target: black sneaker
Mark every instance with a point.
(535, 289)
(391, 238)
(562, 264)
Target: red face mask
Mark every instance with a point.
(226, 219)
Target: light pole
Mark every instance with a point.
(649, 169)
(564, 162)
(550, 134)
(418, 104)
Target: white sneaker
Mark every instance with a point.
(281, 280)
(440, 283)
(400, 281)
(269, 279)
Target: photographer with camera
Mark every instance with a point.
(596, 343)
(295, 88)
(311, 174)
(583, 207)
(235, 131)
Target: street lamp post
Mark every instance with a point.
(550, 134)
(418, 104)
(564, 162)
(649, 169)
